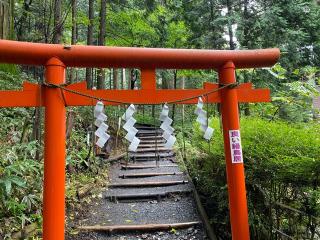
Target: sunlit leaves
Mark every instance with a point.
(130, 28)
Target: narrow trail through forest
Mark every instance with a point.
(148, 197)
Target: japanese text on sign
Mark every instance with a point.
(235, 146)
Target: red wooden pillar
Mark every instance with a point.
(232, 146)
(54, 154)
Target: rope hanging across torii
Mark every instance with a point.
(55, 96)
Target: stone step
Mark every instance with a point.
(144, 166)
(149, 174)
(150, 155)
(146, 184)
(147, 196)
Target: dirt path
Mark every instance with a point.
(147, 190)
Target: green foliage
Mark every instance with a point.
(292, 94)
(135, 29)
(282, 165)
(8, 69)
(20, 188)
(9, 78)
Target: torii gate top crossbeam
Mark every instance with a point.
(124, 57)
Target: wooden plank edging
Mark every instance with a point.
(142, 227)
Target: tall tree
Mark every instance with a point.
(101, 41)
(90, 40)
(230, 30)
(57, 32)
(7, 19)
(4, 19)
(74, 22)
(73, 33)
(245, 44)
(115, 79)
(175, 78)
(21, 22)
(46, 19)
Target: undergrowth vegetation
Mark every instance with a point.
(282, 165)
(21, 162)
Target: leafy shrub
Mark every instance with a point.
(282, 164)
(20, 188)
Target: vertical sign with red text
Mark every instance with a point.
(235, 146)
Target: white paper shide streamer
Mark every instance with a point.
(166, 127)
(101, 132)
(202, 120)
(129, 127)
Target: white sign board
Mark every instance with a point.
(235, 146)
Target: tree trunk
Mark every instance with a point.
(4, 19)
(123, 79)
(110, 79)
(70, 124)
(57, 31)
(47, 20)
(73, 35)
(246, 105)
(74, 22)
(7, 19)
(230, 31)
(11, 34)
(101, 42)
(21, 26)
(246, 40)
(115, 79)
(89, 71)
(133, 78)
(164, 82)
(183, 120)
(36, 130)
(175, 78)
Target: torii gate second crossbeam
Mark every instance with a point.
(55, 97)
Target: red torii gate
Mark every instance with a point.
(55, 97)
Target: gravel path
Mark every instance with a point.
(142, 205)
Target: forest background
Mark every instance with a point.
(280, 139)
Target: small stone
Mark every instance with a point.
(144, 236)
(190, 230)
(177, 199)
